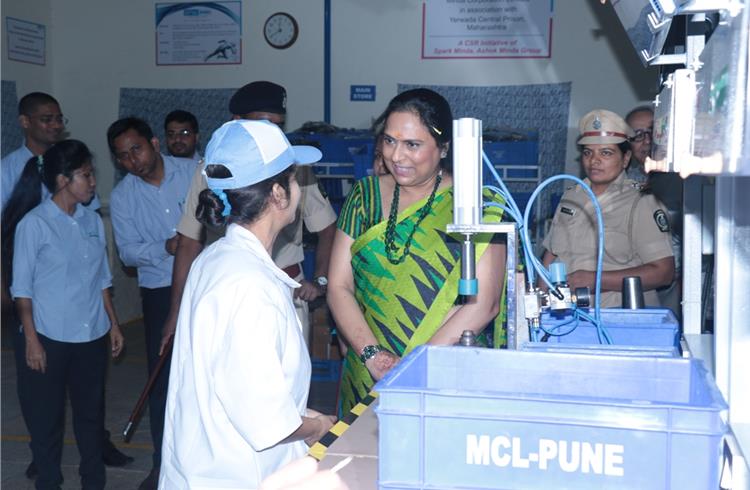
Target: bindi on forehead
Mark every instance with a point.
(406, 129)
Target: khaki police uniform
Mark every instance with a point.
(636, 232)
(315, 212)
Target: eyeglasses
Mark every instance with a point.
(134, 151)
(641, 135)
(50, 118)
(182, 133)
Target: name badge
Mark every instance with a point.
(568, 211)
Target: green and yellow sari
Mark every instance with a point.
(403, 304)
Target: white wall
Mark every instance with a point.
(96, 47)
(115, 47)
(28, 77)
(380, 43)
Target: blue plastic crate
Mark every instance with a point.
(521, 199)
(336, 147)
(645, 327)
(345, 169)
(607, 350)
(363, 161)
(343, 150)
(325, 369)
(517, 173)
(473, 418)
(335, 187)
(525, 152)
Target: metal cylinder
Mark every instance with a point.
(467, 283)
(467, 339)
(467, 171)
(632, 293)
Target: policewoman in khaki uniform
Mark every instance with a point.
(637, 240)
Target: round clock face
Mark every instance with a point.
(281, 30)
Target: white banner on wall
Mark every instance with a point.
(26, 41)
(486, 28)
(205, 33)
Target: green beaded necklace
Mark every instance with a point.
(391, 248)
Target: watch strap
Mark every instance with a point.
(369, 351)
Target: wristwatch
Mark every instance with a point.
(321, 281)
(369, 351)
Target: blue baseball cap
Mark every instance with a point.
(253, 151)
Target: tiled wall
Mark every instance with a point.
(543, 108)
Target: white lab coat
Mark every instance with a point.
(240, 371)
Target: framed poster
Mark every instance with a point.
(201, 33)
(26, 41)
(487, 29)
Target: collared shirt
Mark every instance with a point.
(315, 213)
(60, 262)
(12, 167)
(636, 172)
(197, 157)
(145, 216)
(240, 371)
(634, 232)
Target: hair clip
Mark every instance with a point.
(440, 133)
(223, 196)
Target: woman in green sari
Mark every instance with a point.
(393, 276)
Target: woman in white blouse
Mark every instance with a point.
(240, 374)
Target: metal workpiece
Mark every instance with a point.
(562, 302)
(532, 304)
(467, 339)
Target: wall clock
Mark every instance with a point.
(280, 30)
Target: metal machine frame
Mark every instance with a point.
(702, 127)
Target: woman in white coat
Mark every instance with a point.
(240, 373)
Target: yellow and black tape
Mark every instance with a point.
(319, 449)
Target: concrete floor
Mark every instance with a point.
(127, 377)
